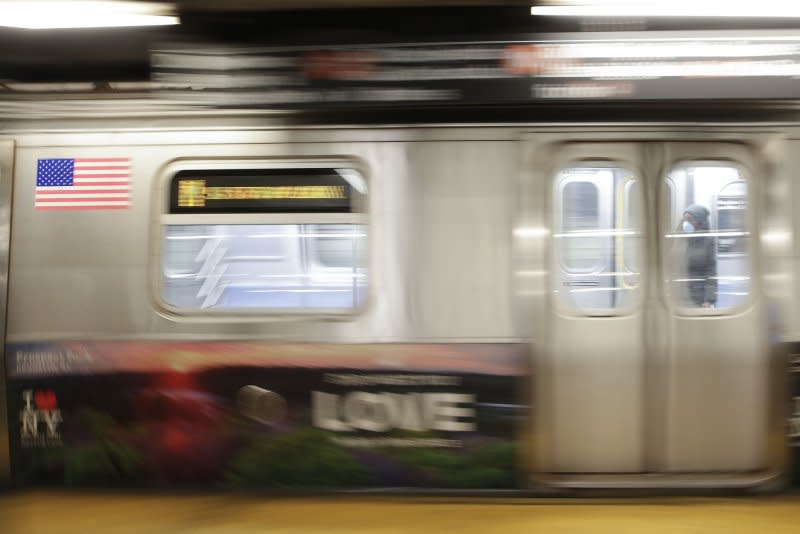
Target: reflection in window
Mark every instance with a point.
(732, 218)
(334, 246)
(707, 244)
(279, 267)
(580, 217)
(597, 238)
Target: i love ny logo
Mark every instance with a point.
(40, 413)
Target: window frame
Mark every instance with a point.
(631, 197)
(161, 219)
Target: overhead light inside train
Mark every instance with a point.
(675, 8)
(55, 14)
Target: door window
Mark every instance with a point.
(597, 236)
(708, 239)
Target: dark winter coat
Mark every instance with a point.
(701, 264)
(701, 260)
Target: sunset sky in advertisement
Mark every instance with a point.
(42, 359)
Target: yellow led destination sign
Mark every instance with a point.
(195, 193)
(260, 193)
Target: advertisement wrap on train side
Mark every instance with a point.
(261, 415)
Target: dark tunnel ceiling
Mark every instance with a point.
(122, 54)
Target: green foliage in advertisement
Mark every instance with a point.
(490, 466)
(102, 458)
(304, 458)
(106, 458)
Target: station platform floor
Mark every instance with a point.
(61, 512)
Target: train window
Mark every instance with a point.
(272, 241)
(597, 238)
(707, 239)
(264, 266)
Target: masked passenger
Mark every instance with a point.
(701, 259)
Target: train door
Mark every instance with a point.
(655, 357)
(6, 169)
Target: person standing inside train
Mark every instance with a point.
(701, 258)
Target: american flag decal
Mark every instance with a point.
(83, 184)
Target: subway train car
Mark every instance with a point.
(226, 299)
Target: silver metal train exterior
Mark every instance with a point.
(557, 238)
